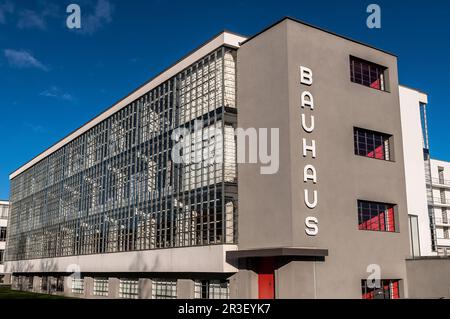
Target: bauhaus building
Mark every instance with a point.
(107, 212)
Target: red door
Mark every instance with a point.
(266, 278)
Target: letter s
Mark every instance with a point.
(312, 226)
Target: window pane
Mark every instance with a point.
(386, 289)
(371, 144)
(376, 216)
(367, 73)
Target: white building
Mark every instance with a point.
(440, 203)
(4, 210)
(427, 180)
(415, 148)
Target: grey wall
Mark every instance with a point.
(271, 207)
(429, 278)
(207, 259)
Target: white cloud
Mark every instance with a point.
(57, 93)
(23, 59)
(36, 128)
(102, 15)
(5, 9)
(30, 19)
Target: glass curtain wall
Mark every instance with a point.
(116, 187)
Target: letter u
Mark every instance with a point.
(309, 204)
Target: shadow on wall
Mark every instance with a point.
(139, 263)
(27, 266)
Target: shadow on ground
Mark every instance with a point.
(7, 293)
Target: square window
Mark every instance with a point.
(376, 216)
(367, 73)
(372, 144)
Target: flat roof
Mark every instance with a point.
(437, 160)
(224, 38)
(422, 96)
(317, 28)
(411, 88)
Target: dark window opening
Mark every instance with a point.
(372, 144)
(2, 233)
(212, 289)
(441, 175)
(376, 216)
(60, 284)
(367, 73)
(384, 289)
(30, 283)
(44, 284)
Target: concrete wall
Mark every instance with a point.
(189, 259)
(429, 278)
(244, 285)
(185, 289)
(296, 280)
(272, 211)
(416, 191)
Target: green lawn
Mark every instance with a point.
(7, 293)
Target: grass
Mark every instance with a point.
(7, 293)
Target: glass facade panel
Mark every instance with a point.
(129, 288)
(116, 187)
(101, 287)
(164, 289)
(212, 289)
(78, 285)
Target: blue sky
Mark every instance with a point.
(52, 79)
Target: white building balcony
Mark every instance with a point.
(440, 183)
(443, 248)
(442, 222)
(439, 202)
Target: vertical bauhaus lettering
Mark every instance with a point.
(310, 174)
(307, 100)
(312, 228)
(306, 76)
(309, 150)
(308, 128)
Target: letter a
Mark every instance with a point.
(73, 21)
(374, 19)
